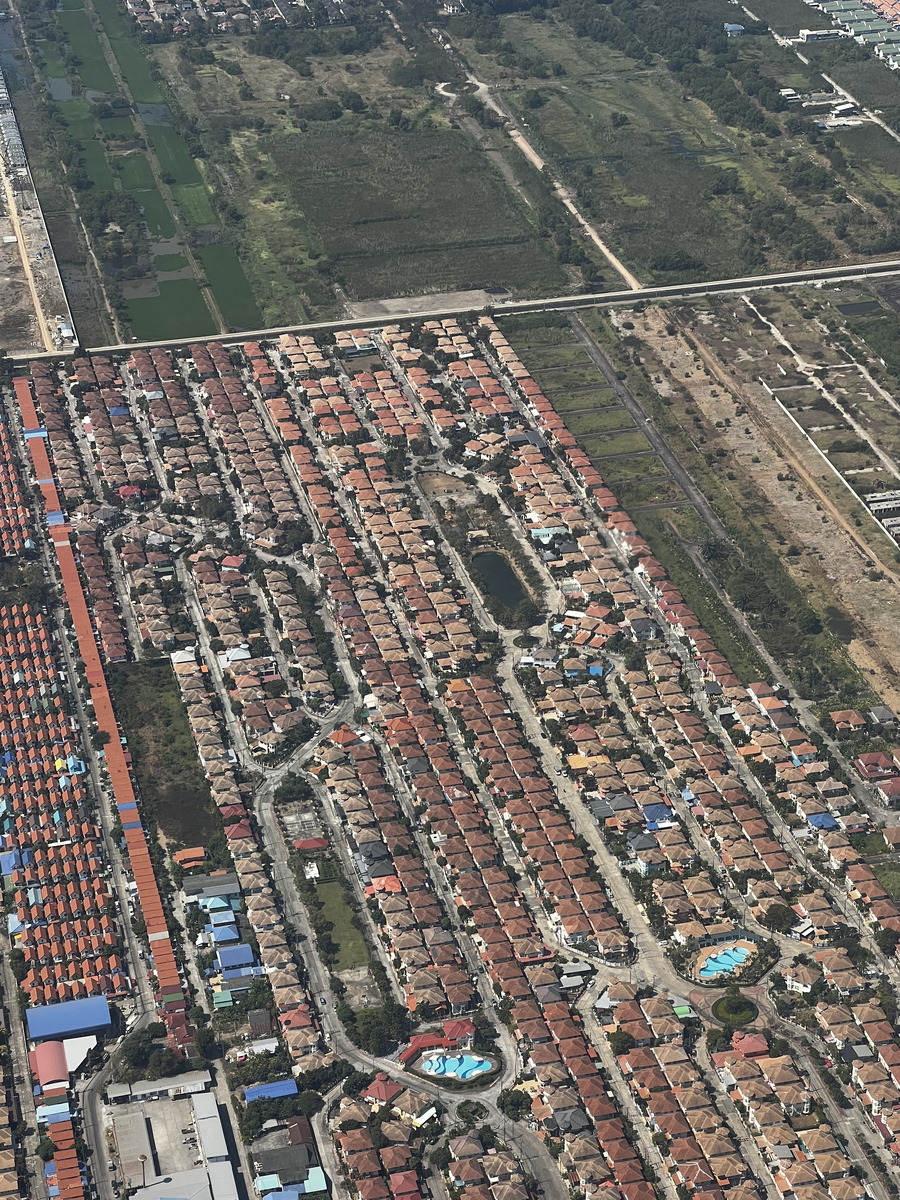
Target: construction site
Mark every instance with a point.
(34, 312)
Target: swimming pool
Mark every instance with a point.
(724, 962)
(461, 1066)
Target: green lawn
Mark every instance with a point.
(173, 155)
(170, 262)
(352, 949)
(230, 287)
(136, 174)
(160, 222)
(194, 204)
(93, 71)
(178, 311)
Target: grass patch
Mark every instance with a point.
(93, 70)
(535, 330)
(173, 155)
(618, 443)
(178, 311)
(170, 262)
(562, 379)
(194, 204)
(160, 222)
(230, 287)
(598, 421)
(78, 118)
(352, 949)
(868, 843)
(888, 875)
(97, 166)
(136, 173)
(118, 128)
(168, 772)
(419, 226)
(53, 63)
(136, 69)
(537, 359)
(734, 1011)
(651, 491)
(599, 397)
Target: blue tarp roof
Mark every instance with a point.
(69, 1018)
(271, 1091)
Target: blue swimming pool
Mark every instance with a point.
(461, 1066)
(724, 962)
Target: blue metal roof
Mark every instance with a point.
(271, 1091)
(69, 1018)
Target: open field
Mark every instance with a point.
(352, 949)
(417, 227)
(93, 69)
(679, 184)
(801, 556)
(318, 206)
(171, 781)
(229, 283)
(178, 311)
(135, 173)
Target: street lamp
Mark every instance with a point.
(142, 1159)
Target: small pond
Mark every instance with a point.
(498, 579)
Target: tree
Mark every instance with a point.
(620, 1042)
(514, 1103)
(45, 1149)
(779, 918)
(206, 1043)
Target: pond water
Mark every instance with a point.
(499, 579)
(859, 308)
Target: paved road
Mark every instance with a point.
(878, 269)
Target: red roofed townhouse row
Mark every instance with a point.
(61, 914)
(169, 984)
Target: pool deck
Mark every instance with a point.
(711, 951)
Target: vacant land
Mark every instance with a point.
(809, 570)
(173, 789)
(354, 177)
(418, 226)
(684, 177)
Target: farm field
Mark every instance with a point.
(229, 284)
(179, 310)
